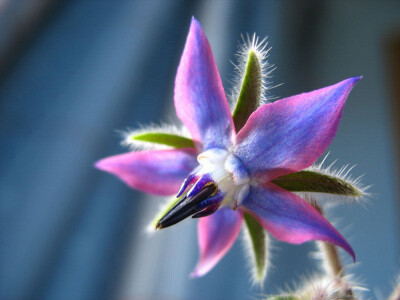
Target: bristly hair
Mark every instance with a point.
(343, 174)
(318, 287)
(260, 49)
(136, 145)
(321, 287)
(320, 255)
(249, 254)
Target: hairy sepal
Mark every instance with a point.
(320, 286)
(249, 97)
(257, 248)
(157, 137)
(251, 83)
(318, 181)
(251, 45)
(250, 92)
(167, 139)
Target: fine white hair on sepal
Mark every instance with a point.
(250, 257)
(136, 145)
(261, 50)
(321, 287)
(331, 288)
(360, 191)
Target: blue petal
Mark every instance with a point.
(158, 172)
(289, 135)
(200, 100)
(289, 218)
(216, 234)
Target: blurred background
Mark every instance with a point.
(72, 73)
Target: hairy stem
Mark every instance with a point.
(331, 256)
(330, 253)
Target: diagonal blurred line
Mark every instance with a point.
(20, 22)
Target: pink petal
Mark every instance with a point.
(216, 234)
(291, 219)
(289, 135)
(200, 100)
(159, 172)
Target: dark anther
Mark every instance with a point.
(206, 212)
(187, 206)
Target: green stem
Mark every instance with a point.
(331, 256)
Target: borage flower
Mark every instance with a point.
(245, 173)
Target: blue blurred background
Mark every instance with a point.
(74, 72)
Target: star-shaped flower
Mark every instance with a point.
(241, 167)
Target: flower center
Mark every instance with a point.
(227, 171)
(219, 180)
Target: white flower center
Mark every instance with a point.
(228, 173)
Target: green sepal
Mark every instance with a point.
(247, 102)
(163, 138)
(164, 210)
(250, 91)
(259, 247)
(313, 181)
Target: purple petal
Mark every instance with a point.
(190, 180)
(291, 134)
(216, 234)
(198, 186)
(200, 100)
(291, 219)
(159, 172)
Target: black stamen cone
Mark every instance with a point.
(206, 212)
(186, 207)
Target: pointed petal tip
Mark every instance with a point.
(342, 243)
(353, 80)
(200, 270)
(353, 255)
(216, 235)
(195, 274)
(290, 219)
(198, 75)
(195, 25)
(97, 165)
(158, 172)
(351, 252)
(103, 165)
(309, 122)
(356, 79)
